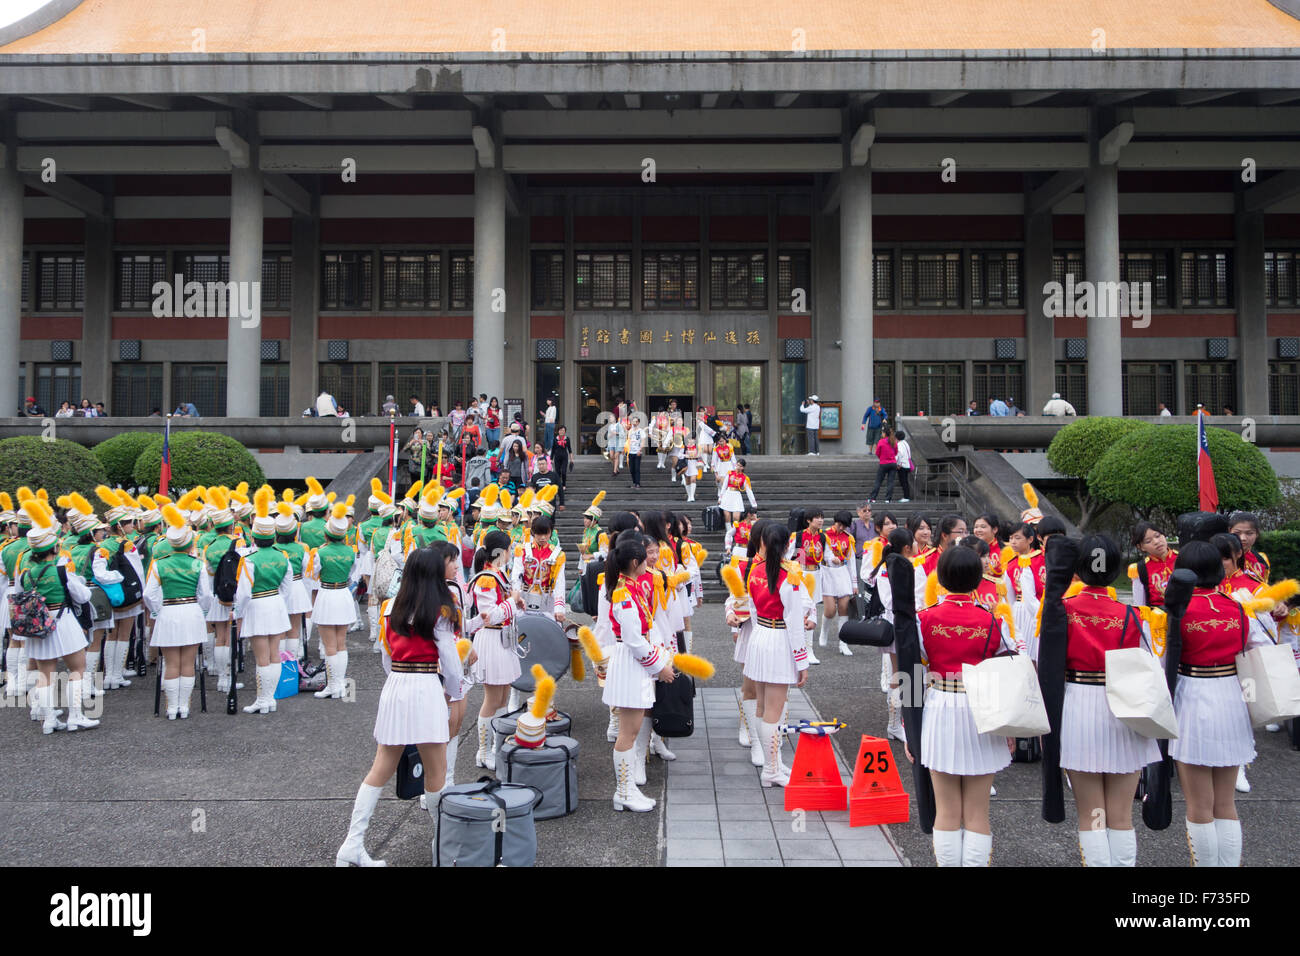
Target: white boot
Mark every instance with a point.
(895, 728)
(772, 774)
(640, 751)
(328, 689)
(172, 691)
(51, 715)
(184, 692)
(1203, 843)
(947, 847)
(611, 732)
(110, 665)
(485, 757)
(1229, 834)
(821, 634)
(340, 675)
(88, 675)
(977, 849)
(660, 749)
(16, 670)
(688, 638)
(744, 724)
(626, 794)
(453, 746)
(812, 658)
(221, 661)
(514, 702)
(267, 678)
(290, 646)
(757, 755)
(77, 719)
(372, 612)
(353, 851)
(120, 650)
(1094, 847)
(1123, 847)
(844, 648)
(1243, 785)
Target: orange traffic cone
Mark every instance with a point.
(815, 782)
(876, 795)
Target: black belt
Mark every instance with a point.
(775, 623)
(1085, 677)
(185, 600)
(262, 594)
(297, 577)
(415, 667)
(54, 607)
(953, 686)
(1216, 670)
(333, 587)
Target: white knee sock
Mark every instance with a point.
(1123, 847)
(977, 849)
(687, 639)
(186, 693)
(373, 613)
(947, 847)
(821, 637)
(1229, 834)
(1203, 843)
(452, 746)
(1094, 848)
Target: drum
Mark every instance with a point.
(541, 641)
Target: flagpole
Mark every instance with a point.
(165, 468)
(392, 456)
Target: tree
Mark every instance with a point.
(119, 454)
(200, 458)
(1075, 451)
(1153, 469)
(59, 466)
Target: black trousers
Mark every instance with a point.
(905, 480)
(634, 463)
(890, 469)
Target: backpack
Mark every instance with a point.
(225, 582)
(30, 616)
(132, 589)
(385, 569)
(84, 613)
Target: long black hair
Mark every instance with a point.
(422, 595)
(915, 521)
(898, 539)
(1203, 560)
(494, 542)
(755, 539)
(621, 522)
(775, 538)
(994, 522)
(628, 554)
(1230, 548)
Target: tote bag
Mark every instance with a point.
(1004, 695)
(1270, 683)
(1137, 690)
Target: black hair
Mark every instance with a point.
(1099, 560)
(262, 542)
(810, 513)
(494, 542)
(741, 463)
(1230, 548)
(916, 520)
(421, 597)
(675, 529)
(629, 553)
(621, 522)
(656, 526)
(879, 520)
(542, 526)
(947, 524)
(1250, 518)
(994, 522)
(900, 435)
(285, 537)
(844, 518)
(976, 544)
(775, 537)
(1140, 532)
(798, 520)
(898, 539)
(959, 570)
(1050, 525)
(750, 510)
(1026, 529)
(1202, 559)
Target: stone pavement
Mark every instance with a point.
(719, 815)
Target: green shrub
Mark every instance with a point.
(1075, 451)
(59, 466)
(1153, 469)
(1283, 550)
(200, 458)
(119, 454)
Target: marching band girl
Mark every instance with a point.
(837, 578)
(178, 592)
(1246, 527)
(741, 621)
(120, 520)
(952, 528)
(704, 440)
(898, 541)
(733, 485)
(421, 629)
(988, 529)
(961, 760)
(299, 602)
(537, 574)
(692, 468)
(594, 542)
(333, 569)
(224, 536)
(89, 531)
(1155, 564)
(265, 579)
(497, 664)
(805, 549)
(455, 684)
(1027, 574)
(602, 628)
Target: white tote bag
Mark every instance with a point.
(1138, 693)
(1005, 698)
(1270, 683)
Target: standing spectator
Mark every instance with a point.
(492, 424)
(873, 420)
(325, 405)
(863, 528)
(1011, 408)
(543, 476)
(513, 438)
(740, 429)
(812, 423)
(433, 411)
(749, 424)
(457, 418)
(887, 452)
(515, 468)
(998, 408)
(636, 437)
(549, 421)
(1164, 410)
(390, 406)
(560, 458)
(472, 434)
(905, 465)
(417, 407)
(1058, 406)
(972, 409)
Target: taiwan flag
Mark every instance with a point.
(165, 470)
(1209, 493)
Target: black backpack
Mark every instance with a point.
(84, 613)
(225, 582)
(132, 589)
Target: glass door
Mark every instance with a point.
(735, 386)
(601, 389)
(667, 382)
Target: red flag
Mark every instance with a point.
(1209, 492)
(165, 471)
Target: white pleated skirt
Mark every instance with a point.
(1093, 740)
(1023, 616)
(837, 581)
(412, 710)
(66, 638)
(676, 613)
(299, 599)
(264, 616)
(627, 683)
(1213, 723)
(498, 662)
(125, 613)
(4, 612)
(218, 612)
(692, 468)
(951, 744)
(768, 657)
(179, 625)
(742, 642)
(367, 560)
(731, 500)
(334, 606)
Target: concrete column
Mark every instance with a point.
(489, 275)
(1101, 251)
(97, 318)
(244, 331)
(1252, 315)
(304, 312)
(1040, 328)
(856, 300)
(11, 276)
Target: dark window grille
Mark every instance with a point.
(930, 280)
(349, 383)
(883, 276)
(61, 281)
(462, 282)
(670, 280)
(1003, 380)
(411, 280)
(793, 271)
(205, 267)
(1212, 384)
(1147, 266)
(1072, 384)
(204, 385)
(738, 280)
(277, 281)
(346, 280)
(934, 388)
(548, 280)
(136, 274)
(403, 381)
(1284, 388)
(602, 280)
(56, 384)
(1280, 284)
(995, 279)
(1146, 385)
(25, 298)
(883, 386)
(274, 398)
(137, 389)
(1205, 278)
(460, 385)
(1069, 262)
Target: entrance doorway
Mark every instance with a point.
(600, 389)
(735, 385)
(670, 381)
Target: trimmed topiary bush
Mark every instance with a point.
(199, 458)
(1283, 550)
(1153, 469)
(119, 454)
(59, 466)
(1075, 451)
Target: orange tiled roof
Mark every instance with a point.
(464, 26)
